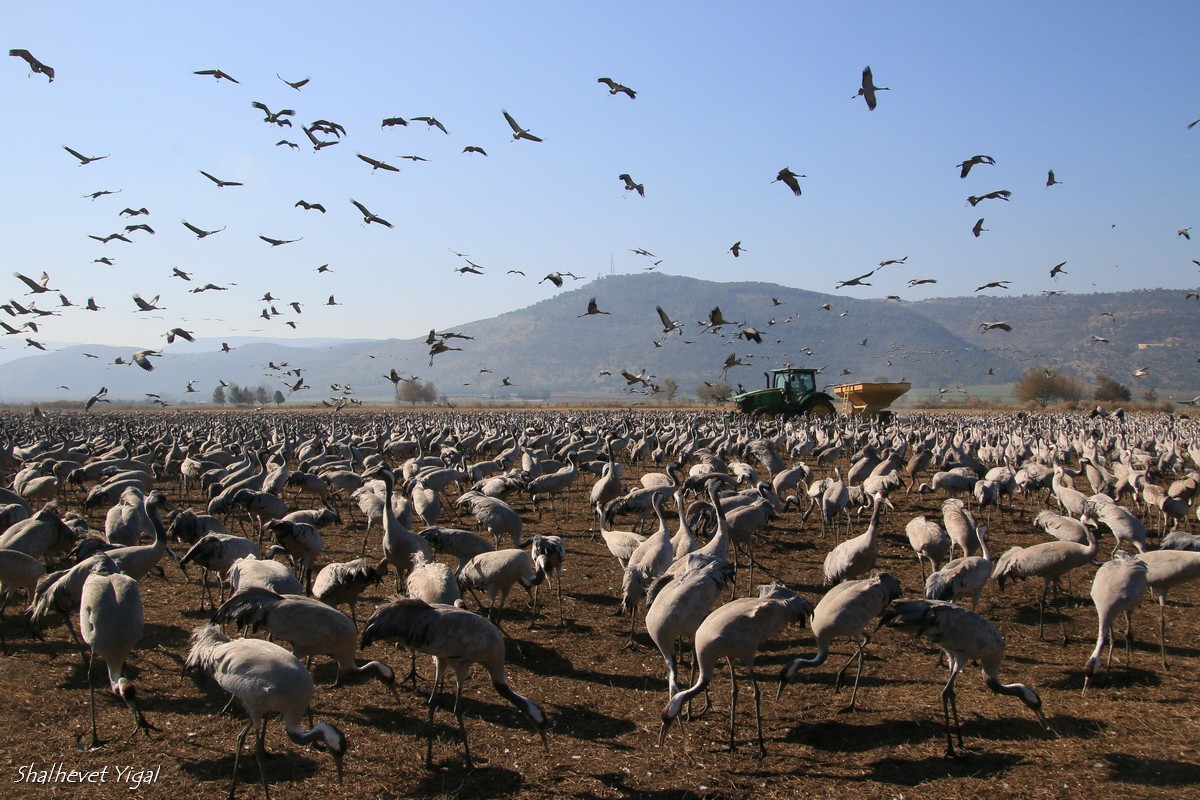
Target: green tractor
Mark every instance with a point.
(790, 391)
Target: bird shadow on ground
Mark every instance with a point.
(845, 737)
(281, 766)
(1125, 768)
(587, 724)
(914, 772)
(1117, 677)
(545, 661)
(600, 600)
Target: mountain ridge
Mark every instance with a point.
(554, 348)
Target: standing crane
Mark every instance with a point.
(962, 577)
(456, 638)
(963, 636)
(679, 603)
(856, 556)
(1118, 588)
(111, 619)
(649, 559)
(18, 571)
(1048, 561)
(267, 680)
(342, 582)
(496, 572)
(734, 632)
(928, 540)
(1169, 568)
(845, 610)
(548, 553)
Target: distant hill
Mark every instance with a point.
(549, 350)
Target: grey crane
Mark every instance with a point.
(309, 625)
(960, 526)
(1118, 588)
(1168, 568)
(858, 555)
(18, 572)
(845, 610)
(680, 602)
(620, 543)
(1048, 561)
(399, 543)
(963, 636)
(216, 552)
(548, 553)
(267, 680)
(518, 132)
(461, 544)
(456, 638)
(1123, 523)
(789, 179)
(868, 89)
(648, 560)
(136, 560)
(37, 67)
(301, 543)
(61, 592)
(962, 577)
(497, 516)
(111, 620)
(734, 632)
(928, 540)
(343, 581)
(496, 572)
(252, 572)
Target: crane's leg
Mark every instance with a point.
(439, 673)
(950, 704)
(1041, 607)
(537, 591)
(558, 591)
(762, 748)
(237, 755)
(1162, 635)
(92, 700)
(1128, 642)
(462, 727)
(1062, 619)
(862, 646)
(260, 750)
(732, 707)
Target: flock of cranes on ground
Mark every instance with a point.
(727, 482)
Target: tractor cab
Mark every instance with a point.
(794, 383)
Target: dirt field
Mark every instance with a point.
(1133, 735)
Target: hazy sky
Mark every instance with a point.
(727, 96)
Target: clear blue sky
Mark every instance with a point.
(727, 96)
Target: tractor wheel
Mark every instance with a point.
(763, 414)
(821, 410)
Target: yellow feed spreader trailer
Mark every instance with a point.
(869, 399)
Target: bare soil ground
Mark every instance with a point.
(1134, 735)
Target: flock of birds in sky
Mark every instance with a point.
(324, 133)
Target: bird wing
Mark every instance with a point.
(75, 153)
(512, 123)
